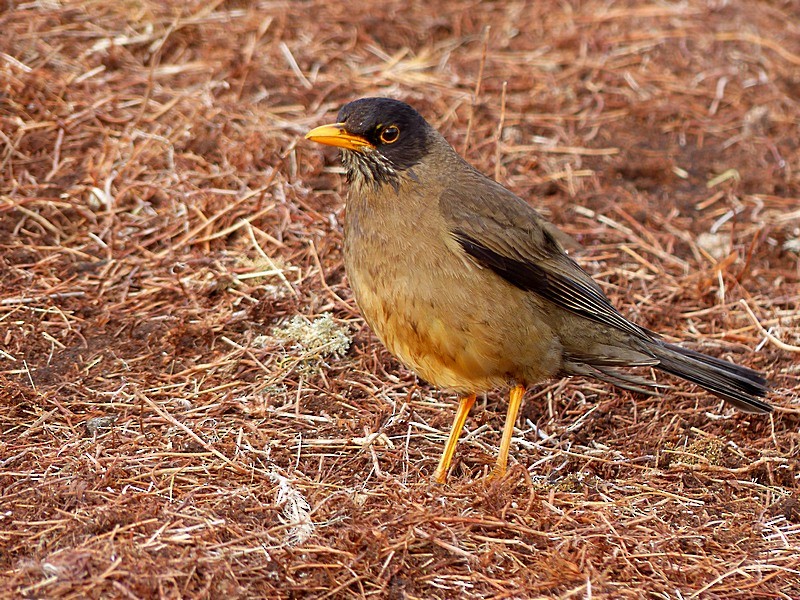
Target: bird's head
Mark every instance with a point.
(381, 139)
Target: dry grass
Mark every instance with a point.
(162, 222)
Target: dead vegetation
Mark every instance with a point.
(168, 242)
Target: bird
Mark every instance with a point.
(471, 288)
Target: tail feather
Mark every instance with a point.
(738, 385)
(626, 381)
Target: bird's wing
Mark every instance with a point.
(503, 233)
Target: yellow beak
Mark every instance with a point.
(337, 135)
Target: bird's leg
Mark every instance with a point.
(464, 404)
(514, 402)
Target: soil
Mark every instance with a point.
(190, 403)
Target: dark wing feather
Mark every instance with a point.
(503, 233)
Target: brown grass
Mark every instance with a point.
(162, 222)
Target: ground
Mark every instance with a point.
(191, 406)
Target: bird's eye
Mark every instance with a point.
(390, 134)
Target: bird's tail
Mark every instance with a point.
(740, 386)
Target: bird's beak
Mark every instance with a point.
(337, 135)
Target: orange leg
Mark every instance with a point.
(514, 402)
(464, 404)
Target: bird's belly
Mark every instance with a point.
(453, 334)
(441, 350)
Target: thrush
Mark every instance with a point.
(469, 286)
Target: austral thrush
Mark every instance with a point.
(469, 286)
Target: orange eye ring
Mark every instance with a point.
(390, 134)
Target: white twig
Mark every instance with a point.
(767, 334)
